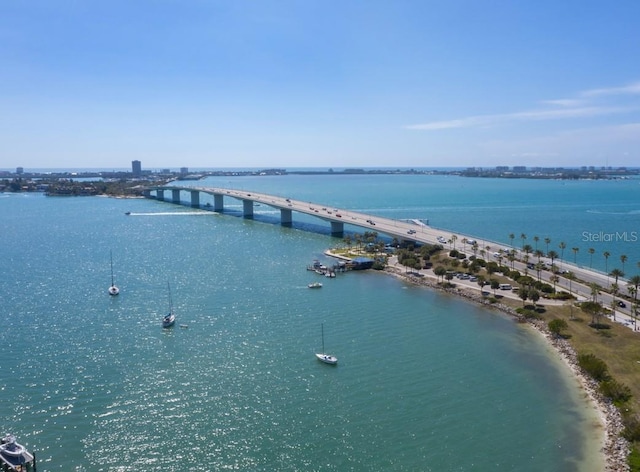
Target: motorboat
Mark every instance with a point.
(14, 457)
(315, 285)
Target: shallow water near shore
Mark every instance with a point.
(425, 381)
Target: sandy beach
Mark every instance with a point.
(614, 448)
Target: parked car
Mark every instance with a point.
(622, 304)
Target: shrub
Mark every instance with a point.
(593, 366)
(631, 428)
(618, 392)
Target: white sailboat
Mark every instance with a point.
(322, 356)
(170, 318)
(113, 290)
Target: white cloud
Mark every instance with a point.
(564, 102)
(557, 109)
(631, 89)
(532, 115)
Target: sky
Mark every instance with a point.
(305, 83)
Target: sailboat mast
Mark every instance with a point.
(322, 326)
(170, 300)
(111, 257)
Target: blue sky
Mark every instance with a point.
(319, 83)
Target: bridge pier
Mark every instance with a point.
(337, 229)
(247, 208)
(218, 202)
(285, 217)
(160, 194)
(175, 195)
(195, 198)
(146, 193)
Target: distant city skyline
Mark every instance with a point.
(302, 84)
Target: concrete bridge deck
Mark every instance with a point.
(337, 217)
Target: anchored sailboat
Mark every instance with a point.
(322, 356)
(170, 318)
(113, 290)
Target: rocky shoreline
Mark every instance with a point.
(614, 448)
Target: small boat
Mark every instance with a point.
(113, 290)
(127, 213)
(323, 357)
(170, 318)
(315, 285)
(14, 457)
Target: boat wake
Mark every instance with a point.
(175, 213)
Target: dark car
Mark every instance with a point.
(622, 304)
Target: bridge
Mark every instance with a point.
(413, 230)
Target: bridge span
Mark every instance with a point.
(413, 230)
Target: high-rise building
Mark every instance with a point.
(136, 168)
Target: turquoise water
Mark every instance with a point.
(425, 381)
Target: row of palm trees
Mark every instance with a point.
(633, 283)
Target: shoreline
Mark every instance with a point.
(614, 448)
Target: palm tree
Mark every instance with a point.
(358, 239)
(512, 237)
(523, 237)
(591, 253)
(538, 254)
(547, 241)
(539, 266)
(440, 271)
(575, 254)
(562, 247)
(536, 239)
(623, 259)
(634, 282)
(595, 291)
(570, 276)
(554, 279)
(606, 255)
(614, 292)
(552, 255)
(348, 241)
(511, 257)
(616, 273)
(523, 293)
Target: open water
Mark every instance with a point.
(425, 382)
